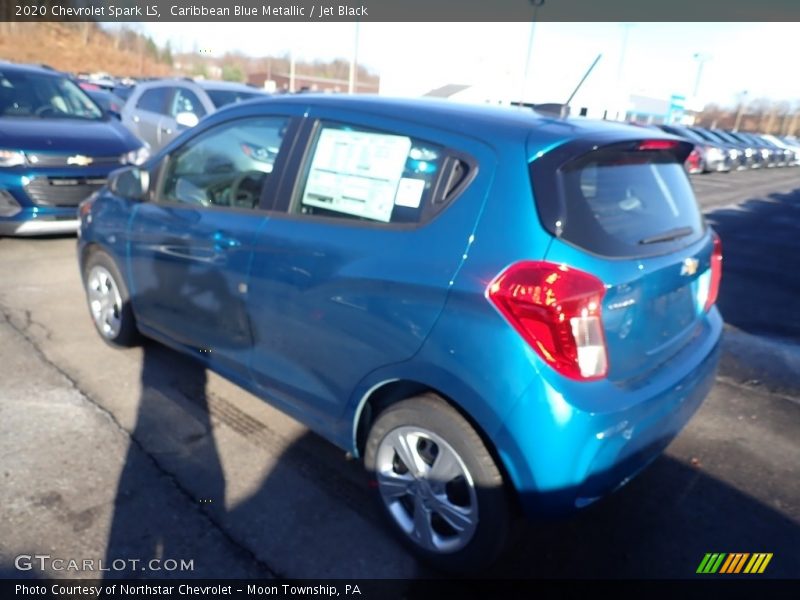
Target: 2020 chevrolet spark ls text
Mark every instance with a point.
(499, 312)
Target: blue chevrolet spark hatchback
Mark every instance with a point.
(56, 148)
(503, 314)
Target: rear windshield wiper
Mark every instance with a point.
(668, 236)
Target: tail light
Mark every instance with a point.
(557, 311)
(693, 160)
(716, 272)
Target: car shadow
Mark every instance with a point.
(315, 515)
(174, 428)
(761, 250)
(659, 526)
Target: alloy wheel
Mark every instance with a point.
(427, 489)
(105, 301)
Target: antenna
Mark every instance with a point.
(565, 107)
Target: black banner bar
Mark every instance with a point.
(399, 10)
(389, 589)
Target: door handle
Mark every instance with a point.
(166, 130)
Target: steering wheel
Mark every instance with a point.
(243, 197)
(47, 108)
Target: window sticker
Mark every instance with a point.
(357, 173)
(409, 192)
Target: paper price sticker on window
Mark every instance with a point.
(357, 173)
(409, 192)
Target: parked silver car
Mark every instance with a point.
(157, 111)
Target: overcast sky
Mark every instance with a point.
(415, 57)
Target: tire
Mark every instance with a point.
(108, 300)
(465, 512)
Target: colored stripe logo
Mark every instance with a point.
(734, 563)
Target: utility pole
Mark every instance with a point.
(140, 45)
(291, 71)
(793, 125)
(536, 4)
(626, 29)
(740, 112)
(783, 129)
(623, 99)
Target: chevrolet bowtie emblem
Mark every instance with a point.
(80, 160)
(689, 266)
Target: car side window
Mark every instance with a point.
(368, 175)
(186, 101)
(226, 166)
(153, 100)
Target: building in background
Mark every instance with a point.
(282, 82)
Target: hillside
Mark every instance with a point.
(79, 47)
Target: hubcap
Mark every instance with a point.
(427, 489)
(104, 301)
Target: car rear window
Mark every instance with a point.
(626, 202)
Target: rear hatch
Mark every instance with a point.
(625, 212)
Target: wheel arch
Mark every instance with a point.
(391, 391)
(86, 251)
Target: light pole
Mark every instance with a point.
(352, 83)
(701, 60)
(536, 4)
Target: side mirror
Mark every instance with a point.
(186, 119)
(131, 183)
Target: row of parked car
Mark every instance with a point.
(157, 110)
(59, 145)
(61, 136)
(717, 150)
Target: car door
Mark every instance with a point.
(355, 265)
(148, 111)
(183, 100)
(190, 248)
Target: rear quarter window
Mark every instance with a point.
(377, 177)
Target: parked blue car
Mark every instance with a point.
(56, 148)
(499, 312)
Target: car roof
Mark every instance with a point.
(482, 119)
(204, 84)
(10, 67)
(227, 85)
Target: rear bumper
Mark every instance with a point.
(561, 457)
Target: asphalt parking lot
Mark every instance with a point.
(119, 454)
